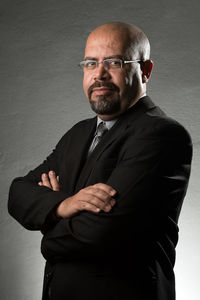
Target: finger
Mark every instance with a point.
(40, 183)
(105, 187)
(107, 208)
(94, 196)
(102, 195)
(99, 193)
(54, 181)
(45, 180)
(57, 177)
(92, 199)
(112, 202)
(92, 207)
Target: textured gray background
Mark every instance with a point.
(41, 97)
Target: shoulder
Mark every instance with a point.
(77, 129)
(83, 123)
(157, 124)
(166, 127)
(154, 134)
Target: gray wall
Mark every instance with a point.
(41, 97)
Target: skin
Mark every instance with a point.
(92, 198)
(103, 88)
(117, 40)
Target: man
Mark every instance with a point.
(109, 196)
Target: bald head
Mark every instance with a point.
(132, 39)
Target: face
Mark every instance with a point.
(110, 92)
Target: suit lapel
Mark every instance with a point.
(77, 152)
(124, 121)
(106, 140)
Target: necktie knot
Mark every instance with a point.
(101, 129)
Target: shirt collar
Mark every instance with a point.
(109, 124)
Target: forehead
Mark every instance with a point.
(106, 43)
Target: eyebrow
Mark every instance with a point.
(108, 57)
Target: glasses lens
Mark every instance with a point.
(113, 63)
(89, 64)
(110, 63)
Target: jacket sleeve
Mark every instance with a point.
(151, 179)
(30, 204)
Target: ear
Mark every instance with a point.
(146, 68)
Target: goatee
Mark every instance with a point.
(105, 106)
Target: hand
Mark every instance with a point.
(51, 181)
(92, 198)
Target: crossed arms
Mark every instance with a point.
(143, 192)
(92, 198)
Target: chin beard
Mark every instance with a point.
(105, 107)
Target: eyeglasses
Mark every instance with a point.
(108, 63)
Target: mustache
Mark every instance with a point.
(102, 84)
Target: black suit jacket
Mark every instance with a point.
(128, 253)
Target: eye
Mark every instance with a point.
(115, 63)
(90, 64)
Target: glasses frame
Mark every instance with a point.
(82, 63)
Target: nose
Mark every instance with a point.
(100, 73)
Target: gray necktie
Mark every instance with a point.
(101, 130)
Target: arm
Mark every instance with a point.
(33, 200)
(151, 180)
(92, 198)
(30, 203)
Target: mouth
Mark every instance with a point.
(103, 90)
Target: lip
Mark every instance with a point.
(102, 90)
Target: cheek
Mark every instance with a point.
(128, 78)
(86, 83)
(120, 81)
(124, 82)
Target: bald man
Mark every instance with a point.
(108, 198)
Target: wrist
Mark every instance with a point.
(59, 210)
